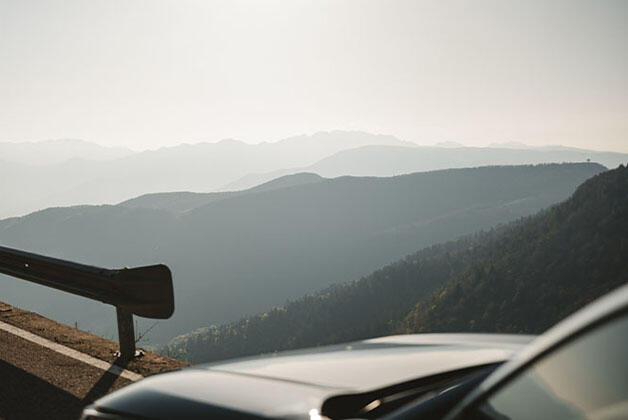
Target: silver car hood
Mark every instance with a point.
(295, 384)
(379, 362)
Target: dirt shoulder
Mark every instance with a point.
(101, 348)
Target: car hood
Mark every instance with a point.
(295, 384)
(375, 363)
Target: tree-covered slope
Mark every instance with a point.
(522, 277)
(541, 270)
(338, 313)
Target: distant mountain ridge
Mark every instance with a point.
(77, 172)
(185, 201)
(50, 152)
(243, 253)
(201, 167)
(519, 278)
(396, 160)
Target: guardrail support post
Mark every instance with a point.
(126, 334)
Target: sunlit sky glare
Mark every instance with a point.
(145, 74)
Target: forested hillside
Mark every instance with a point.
(239, 254)
(541, 270)
(522, 277)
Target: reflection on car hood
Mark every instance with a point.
(295, 384)
(379, 362)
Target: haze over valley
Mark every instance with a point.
(240, 252)
(522, 277)
(38, 175)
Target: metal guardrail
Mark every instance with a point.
(143, 291)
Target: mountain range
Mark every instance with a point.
(50, 152)
(383, 160)
(39, 175)
(202, 167)
(522, 277)
(241, 252)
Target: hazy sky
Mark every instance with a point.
(150, 73)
